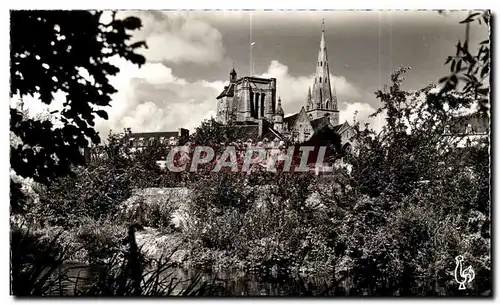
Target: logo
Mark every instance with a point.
(463, 276)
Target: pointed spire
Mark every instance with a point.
(233, 75)
(323, 40)
(280, 111)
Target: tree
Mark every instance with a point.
(50, 52)
(97, 190)
(471, 71)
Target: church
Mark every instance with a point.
(252, 105)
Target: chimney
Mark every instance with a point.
(183, 135)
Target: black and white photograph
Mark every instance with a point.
(250, 153)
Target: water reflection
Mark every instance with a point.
(225, 283)
(76, 279)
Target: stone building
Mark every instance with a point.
(251, 103)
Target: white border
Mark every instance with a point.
(191, 4)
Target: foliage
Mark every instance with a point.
(213, 134)
(469, 69)
(98, 189)
(100, 239)
(50, 60)
(406, 214)
(156, 214)
(38, 270)
(33, 261)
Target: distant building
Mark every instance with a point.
(139, 140)
(250, 104)
(471, 128)
(136, 142)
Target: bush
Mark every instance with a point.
(100, 239)
(149, 213)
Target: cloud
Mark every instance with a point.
(152, 98)
(347, 111)
(178, 37)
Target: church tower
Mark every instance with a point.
(321, 100)
(278, 117)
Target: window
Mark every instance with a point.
(252, 108)
(321, 64)
(262, 99)
(256, 102)
(320, 79)
(131, 141)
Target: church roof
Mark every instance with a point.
(272, 134)
(251, 132)
(290, 120)
(228, 91)
(320, 123)
(341, 127)
(245, 132)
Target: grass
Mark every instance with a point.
(37, 269)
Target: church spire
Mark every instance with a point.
(321, 95)
(321, 99)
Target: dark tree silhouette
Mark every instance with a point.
(48, 52)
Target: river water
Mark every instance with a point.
(78, 278)
(227, 283)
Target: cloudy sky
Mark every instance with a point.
(191, 53)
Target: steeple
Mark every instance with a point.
(278, 117)
(279, 110)
(309, 99)
(322, 99)
(233, 75)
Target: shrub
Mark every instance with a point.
(100, 239)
